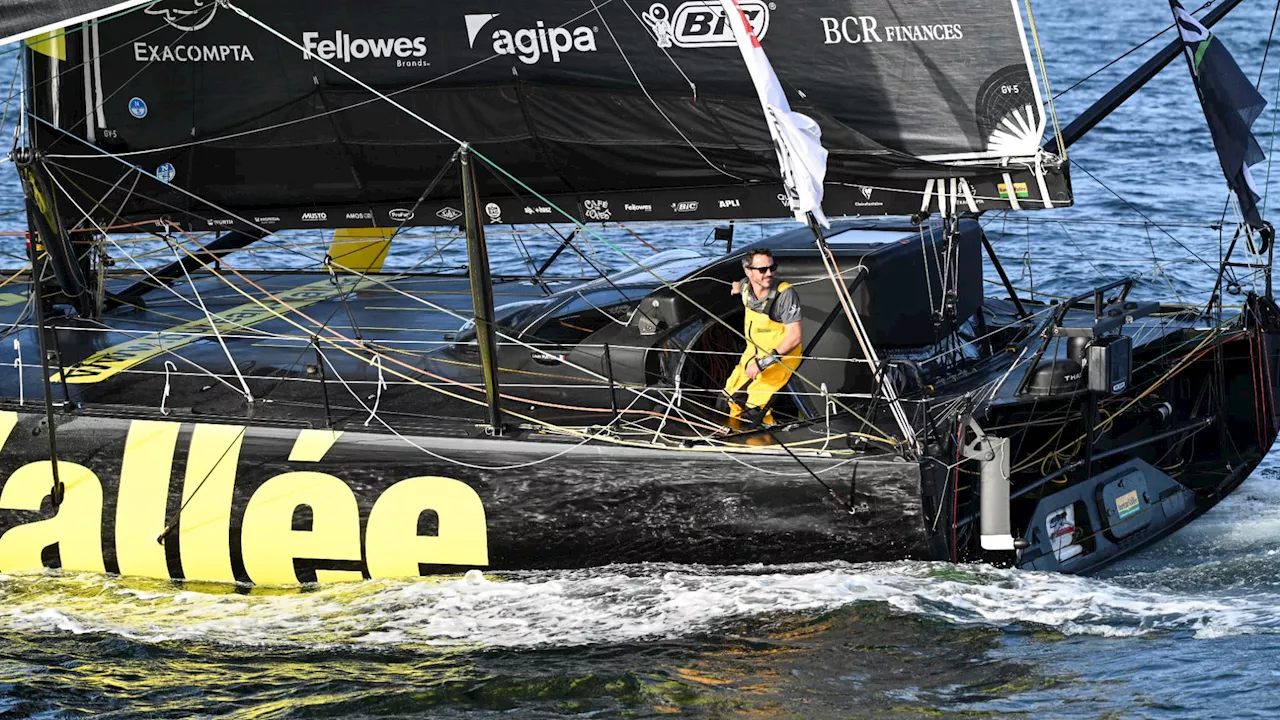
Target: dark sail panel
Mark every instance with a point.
(570, 98)
(1231, 104)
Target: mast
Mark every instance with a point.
(481, 290)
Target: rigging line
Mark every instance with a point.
(1267, 49)
(860, 334)
(1044, 75)
(692, 85)
(9, 100)
(202, 306)
(765, 471)
(1206, 225)
(334, 342)
(587, 232)
(203, 371)
(997, 331)
(177, 515)
(248, 396)
(444, 169)
(256, 333)
(653, 102)
(1087, 259)
(665, 283)
(378, 416)
(1126, 54)
(451, 137)
(1131, 206)
(1160, 268)
(1271, 144)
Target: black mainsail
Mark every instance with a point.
(612, 110)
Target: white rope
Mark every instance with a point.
(438, 456)
(248, 396)
(759, 469)
(164, 398)
(17, 363)
(163, 349)
(393, 103)
(382, 385)
(860, 334)
(675, 400)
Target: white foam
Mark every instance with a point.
(609, 605)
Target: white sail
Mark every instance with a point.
(796, 137)
(24, 20)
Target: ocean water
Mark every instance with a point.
(1189, 628)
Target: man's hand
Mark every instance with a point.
(737, 288)
(752, 370)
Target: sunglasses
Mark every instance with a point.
(765, 269)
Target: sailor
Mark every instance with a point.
(772, 329)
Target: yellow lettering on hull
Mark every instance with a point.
(270, 544)
(8, 421)
(392, 543)
(76, 526)
(144, 494)
(205, 521)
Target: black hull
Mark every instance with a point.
(170, 473)
(564, 507)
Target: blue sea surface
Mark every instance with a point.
(1189, 628)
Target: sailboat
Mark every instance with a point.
(211, 418)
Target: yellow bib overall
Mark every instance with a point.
(763, 335)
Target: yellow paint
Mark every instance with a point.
(52, 44)
(268, 545)
(268, 542)
(106, 363)
(8, 420)
(76, 526)
(205, 523)
(8, 299)
(361, 249)
(393, 547)
(312, 445)
(144, 494)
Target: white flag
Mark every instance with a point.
(796, 137)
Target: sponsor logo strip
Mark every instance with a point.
(530, 45)
(697, 23)
(118, 358)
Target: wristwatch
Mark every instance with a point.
(767, 360)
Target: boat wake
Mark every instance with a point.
(623, 604)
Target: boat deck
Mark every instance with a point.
(268, 322)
